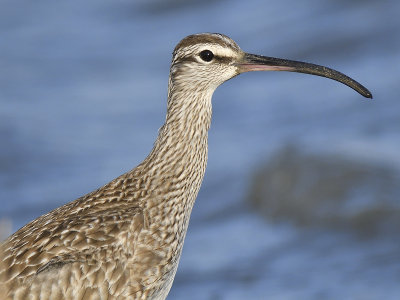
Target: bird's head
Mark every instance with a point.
(204, 61)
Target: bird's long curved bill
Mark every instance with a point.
(252, 62)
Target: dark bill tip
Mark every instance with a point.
(253, 62)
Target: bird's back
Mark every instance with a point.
(96, 247)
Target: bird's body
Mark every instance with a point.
(124, 240)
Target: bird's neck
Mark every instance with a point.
(178, 160)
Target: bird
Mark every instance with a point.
(124, 240)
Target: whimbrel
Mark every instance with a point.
(124, 240)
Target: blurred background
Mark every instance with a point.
(301, 194)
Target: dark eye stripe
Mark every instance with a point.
(223, 59)
(216, 58)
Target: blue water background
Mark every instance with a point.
(83, 93)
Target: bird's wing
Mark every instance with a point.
(49, 245)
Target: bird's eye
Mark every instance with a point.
(206, 55)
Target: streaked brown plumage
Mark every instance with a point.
(124, 240)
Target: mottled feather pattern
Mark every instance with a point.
(124, 240)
